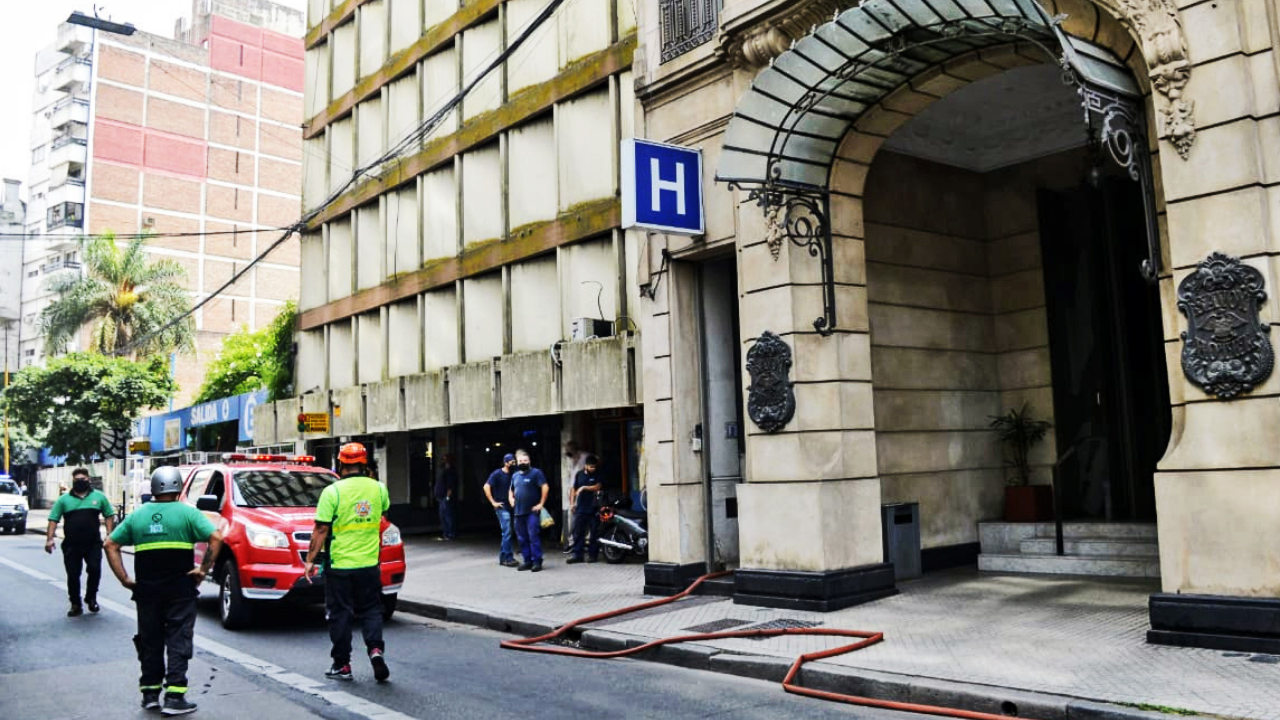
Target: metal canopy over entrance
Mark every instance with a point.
(782, 139)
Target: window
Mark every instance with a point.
(33, 273)
(67, 214)
(686, 24)
(30, 352)
(37, 155)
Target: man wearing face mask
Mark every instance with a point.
(528, 494)
(497, 488)
(81, 541)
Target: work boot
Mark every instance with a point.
(150, 699)
(510, 563)
(75, 611)
(525, 566)
(176, 704)
(380, 670)
(574, 560)
(92, 604)
(339, 672)
(593, 559)
(537, 567)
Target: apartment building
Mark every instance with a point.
(475, 293)
(196, 139)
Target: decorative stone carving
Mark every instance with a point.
(771, 401)
(752, 46)
(1226, 349)
(1164, 48)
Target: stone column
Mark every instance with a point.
(1218, 486)
(809, 513)
(672, 409)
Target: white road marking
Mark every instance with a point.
(344, 700)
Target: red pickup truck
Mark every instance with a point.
(265, 506)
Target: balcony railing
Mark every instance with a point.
(69, 110)
(59, 265)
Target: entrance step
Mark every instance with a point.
(1101, 549)
(1091, 547)
(720, 587)
(1099, 565)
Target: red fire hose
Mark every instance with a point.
(788, 683)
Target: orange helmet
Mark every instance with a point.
(353, 454)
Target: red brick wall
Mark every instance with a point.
(239, 245)
(176, 118)
(121, 220)
(179, 81)
(115, 103)
(231, 166)
(233, 130)
(122, 66)
(177, 155)
(117, 142)
(279, 176)
(229, 203)
(114, 182)
(170, 193)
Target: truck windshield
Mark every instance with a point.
(280, 488)
(8, 488)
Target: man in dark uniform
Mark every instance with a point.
(586, 526)
(81, 509)
(164, 534)
(349, 525)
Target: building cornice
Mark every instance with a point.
(753, 38)
(574, 80)
(581, 222)
(431, 41)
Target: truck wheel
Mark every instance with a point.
(388, 606)
(233, 609)
(612, 555)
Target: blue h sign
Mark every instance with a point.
(662, 188)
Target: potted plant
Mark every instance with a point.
(1019, 432)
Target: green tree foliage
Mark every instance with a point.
(124, 297)
(252, 361)
(78, 399)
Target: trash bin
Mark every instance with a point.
(900, 530)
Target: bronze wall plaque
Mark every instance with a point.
(771, 402)
(1226, 349)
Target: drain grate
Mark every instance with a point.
(562, 593)
(781, 624)
(715, 625)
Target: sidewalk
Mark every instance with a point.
(987, 634)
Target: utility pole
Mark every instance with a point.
(7, 324)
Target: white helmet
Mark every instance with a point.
(165, 480)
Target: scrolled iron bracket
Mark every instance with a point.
(802, 216)
(1121, 130)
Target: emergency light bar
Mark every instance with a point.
(242, 457)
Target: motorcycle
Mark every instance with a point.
(622, 531)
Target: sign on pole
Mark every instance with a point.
(662, 187)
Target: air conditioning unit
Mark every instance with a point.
(586, 328)
(148, 222)
(195, 458)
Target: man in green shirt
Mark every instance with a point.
(349, 521)
(164, 533)
(81, 510)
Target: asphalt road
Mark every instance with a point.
(52, 667)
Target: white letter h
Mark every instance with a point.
(676, 186)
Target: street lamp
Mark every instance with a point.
(97, 23)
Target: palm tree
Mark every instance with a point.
(125, 297)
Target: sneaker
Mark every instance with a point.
(567, 550)
(537, 567)
(525, 566)
(510, 563)
(380, 670)
(75, 611)
(339, 672)
(176, 705)
(574, 560)
(150, 699)
(92, 605)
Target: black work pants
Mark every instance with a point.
(74, 555)
(352, 596)
(586, 524)
(165, 625)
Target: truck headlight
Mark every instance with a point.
(264, 537)
(391, 536)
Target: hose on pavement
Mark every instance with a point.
(789, 683)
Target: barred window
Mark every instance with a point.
(686, 24)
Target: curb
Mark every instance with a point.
(895, 687)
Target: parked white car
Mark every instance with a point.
(13, 508)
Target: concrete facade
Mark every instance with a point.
(444, 284)
(939, 291)
(140, 133)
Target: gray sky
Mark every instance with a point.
(29, 26)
